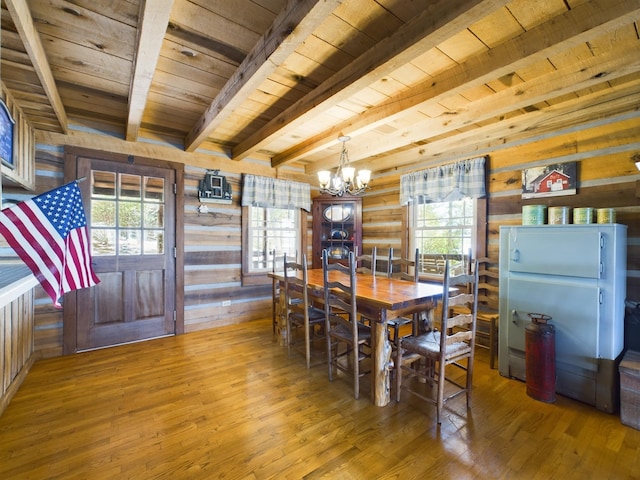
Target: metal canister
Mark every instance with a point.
(540, 358)
(583, 215)
(606, 215)
(558, 215)
(533, 214)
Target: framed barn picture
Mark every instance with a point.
(550, 180)
(7, 127)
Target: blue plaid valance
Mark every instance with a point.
(445, 183)
(275, 193)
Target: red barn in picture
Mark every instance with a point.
(549, 181)
(553, 181)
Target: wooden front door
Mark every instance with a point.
(131, 215)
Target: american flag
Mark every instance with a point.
(49, 234)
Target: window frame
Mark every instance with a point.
(478, 237)
(249, 276)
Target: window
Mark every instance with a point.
(273, 218)
(442, 231)
(127, 214)
(271, 229)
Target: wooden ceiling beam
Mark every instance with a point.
(22, 19)
(619, 100)
(290, 28)
(439, 21)
(580, 75)
(154, 19)
(548, 39)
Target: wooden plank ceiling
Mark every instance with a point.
(409, 81)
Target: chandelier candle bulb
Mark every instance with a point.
(324, 177)
(344, 180)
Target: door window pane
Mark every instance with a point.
(153, 189)
(153, 215)
(103, 184)
(130, 242)
(129, 214)
(103, 213)
(130, 187)
(103, 241)
(123, 220)
(153, 242)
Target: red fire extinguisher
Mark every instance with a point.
(540, 357)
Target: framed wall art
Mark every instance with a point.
(550, 180)
(7, 127)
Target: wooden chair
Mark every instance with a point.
(427, 355)
(367, 263)
(405, 269)
(301, 314)
(341, 322)
(487, 315)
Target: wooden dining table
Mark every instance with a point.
(380, 299)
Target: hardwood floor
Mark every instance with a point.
(229, 403)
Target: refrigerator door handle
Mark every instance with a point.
(514, 317)
(515, 257)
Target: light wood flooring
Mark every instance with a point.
(229, 403)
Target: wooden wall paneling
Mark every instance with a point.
(213, 257)
(209, 295)
(607, 178)
(16, 340)
(206, 317)
(208, 274)
(47, 327)
(218, 235)
(5, 354)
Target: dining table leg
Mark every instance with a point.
(381, 361)
(281, 330)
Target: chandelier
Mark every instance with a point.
(344, 179)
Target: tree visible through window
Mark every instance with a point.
(272, 229)
(443, 230)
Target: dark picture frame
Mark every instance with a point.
(551, 180)
(7, 128)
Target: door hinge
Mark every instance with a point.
(175, 188)
(175, 252)
(175, 316)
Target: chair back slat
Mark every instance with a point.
(295, 282)
(452, 345)
(367, 263)
(458, 337)
(340, 295)
(452, 324)
(341, 319)
(404, 268)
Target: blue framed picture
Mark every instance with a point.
(7, 126)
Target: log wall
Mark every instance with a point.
(607, 177)
(16, 345)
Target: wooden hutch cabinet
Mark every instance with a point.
(337, 227)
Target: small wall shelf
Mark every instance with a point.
(214, 188)
(226, 201)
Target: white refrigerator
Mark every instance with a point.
(577, 275)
